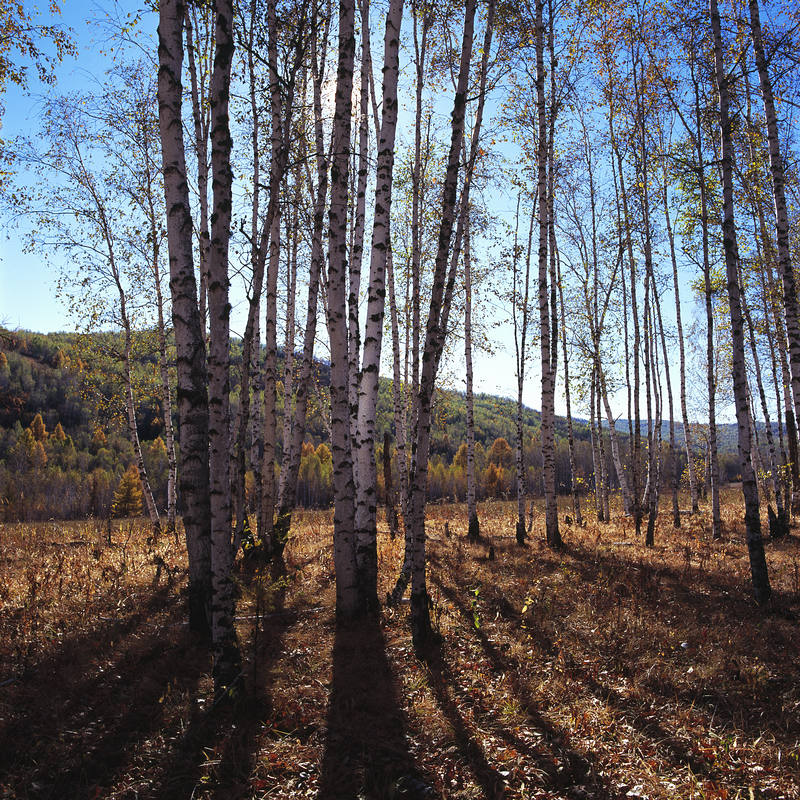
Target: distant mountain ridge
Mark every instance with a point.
(53, 390)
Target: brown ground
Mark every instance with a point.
(606, 670)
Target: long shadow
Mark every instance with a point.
(704, 591)
(96, 638)
(676, 749)
(691, 583)
(68, 669)
(231, 729)
(559, 764)
(366, 750)
(80, 725)
(442, 679)
(121, 700)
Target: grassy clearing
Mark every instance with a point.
(606, 670)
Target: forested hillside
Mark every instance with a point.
(72, 466)
(69, 464)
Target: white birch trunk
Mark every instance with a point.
(367, 499)
(687, 432)
(150, 205)
(520, 353)
(636, 429)
(605, 474)
(576, 498)
(347, 594)
(434, 339)
(417, 198)
(472, 504)
(278, 155)
(226, 665)
(398, 392)
(755, 544)
(166, 403)
(130, 411)
(357, 252)
(777, 173)
(200, 118)
(400, 411)
(291, 462)
(676, 512)
(292, 239)
(251, 344)
(627, 499)
(192, 398)
(773, 458)
(716, 519)
(650, 352)
(548, 374)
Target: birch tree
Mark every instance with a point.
(85, 213)
(344, 545)
(226, 667)
(366, 506)
(755, 545)
(544, 166)
(192, 396)
(317, 191)
(434, 340)
(791, 305)
(521, 355)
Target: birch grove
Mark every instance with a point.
(627, 173)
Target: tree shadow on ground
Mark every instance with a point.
(130, 707)
(446, 692)
(560, 765)
(79, 721)
(215, 753)
(695, 596)
(366, 749)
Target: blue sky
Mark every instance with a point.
(27, 282)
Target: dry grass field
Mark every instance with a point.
(606, 670)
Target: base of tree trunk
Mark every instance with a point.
(172, 528)
(778, 523)
(474, 531)
(155, 532)
(280, 532)
(553, 537)
(257, 551)
(227, 672)
(422, 634)
(199, 605)
(369, 597)
(649, 537)
(521, 534)
(758, 571)
(394, 524)
(399, 590)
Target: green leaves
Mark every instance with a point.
(473, 602)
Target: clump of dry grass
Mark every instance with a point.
(60, 578)
(604, 670)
